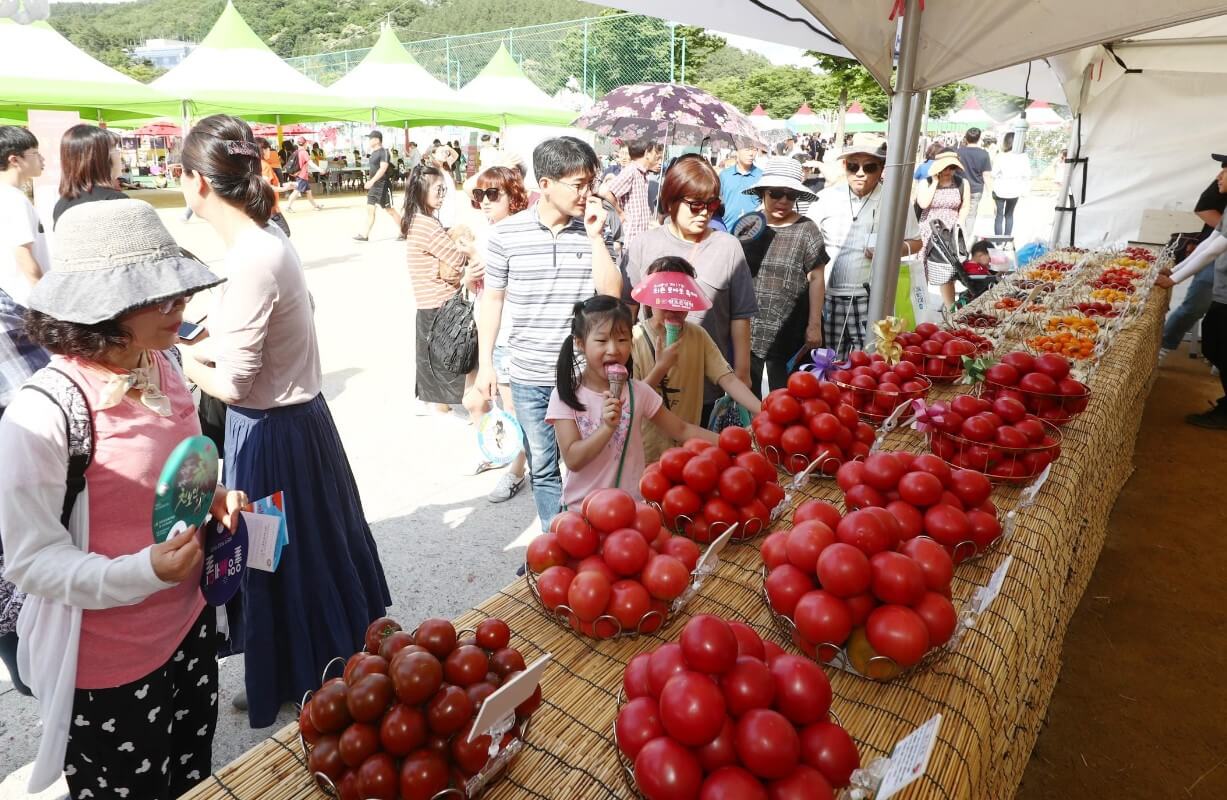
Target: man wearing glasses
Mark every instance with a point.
(539, 263)
(847, 215)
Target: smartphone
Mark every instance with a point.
(189, 331)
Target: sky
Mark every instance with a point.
(779, 54)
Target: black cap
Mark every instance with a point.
(1220, 158)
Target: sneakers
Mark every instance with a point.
(1163, 353)
(507, 487)
(1214, 419)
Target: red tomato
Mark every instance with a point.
(692, 708)
(947, 524)
(748, 685)
(610, 509)
(326, 757)
(423, 775)
(720, 751)
(665, 770)
(638, 723)
(767, 432)
(709, 644)
(818, 510)
(681, 501)
(625, 551)
(737, 485)
(770, 494)
(882, 471)
(806, 541)
(785, 585)
(698, 446)
(802, 691)
(721, 514)
(859, 606)
(804, 783)
(920, 488)
(700, 474)
(647, 522)
(966, 405)
(782, 409)
(804, 385)
(758, 466)
(358, 743)
(596, 564)
(767, 742)
(829, 749)
(575, 535)
(628, 603)
(553, 585)
(934, 562)
(822, 618)
(970, 487)
(470, 756)
(939, 617)
(589, 595)
(653, 484)
(402, 730)
(910, 520)
(506, 661)
(1038, 383)
(665, 577)
(850, 475)
(985, 529)
(843, 570)
(545, 552)
(863, 496)
(449, 710)
(665, 662)
(865, 531)
(771, 651)
(898, 633)
(754, 517)
(683, 550)
(1052, 365)
(415, 677)
(735, 439)
(825, 427)
(732, 783)
(797, 439)
(749, 643)
(698, 529)
(673, 461)
(635, 680)
(897, 579)
(307, 728)
(466, 665)
(377, 777)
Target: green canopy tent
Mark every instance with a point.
(502, 85)
(41, 70)
(397, 89)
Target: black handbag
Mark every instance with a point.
(452, 346)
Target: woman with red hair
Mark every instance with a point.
(690, 196)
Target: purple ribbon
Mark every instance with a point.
(927, 418)
(822, 361)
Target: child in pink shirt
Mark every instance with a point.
(600, 434)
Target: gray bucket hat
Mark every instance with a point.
(111, 257)
(782, 172)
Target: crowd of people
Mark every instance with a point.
(613, 312)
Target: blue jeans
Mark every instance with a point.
(1195, 305)
(541, 448)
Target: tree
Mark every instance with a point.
(728, 62)
(694, 46)
(780, 90)
(847, 80)
(942, 101)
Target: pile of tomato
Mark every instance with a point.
(807, 422)
(979, 319)
(610, 568)
(1042, 384)
(998, 438)
(1120, 279)
(875, 388)
(724, 715)
(1094, 309)
(704, 489)
(397, 723)
(855, 584)
(938, 353)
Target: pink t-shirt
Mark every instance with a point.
(131, 443)
(602, 471)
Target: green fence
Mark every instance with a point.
(597, 54)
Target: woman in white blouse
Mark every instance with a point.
(1011, 181)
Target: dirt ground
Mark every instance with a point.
(1140, 708)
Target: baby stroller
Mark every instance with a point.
(949, 250)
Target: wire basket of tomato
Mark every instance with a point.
(1042, 384)
(1096, 309)
(1065, 343)
(366, 733)
(979, 320)
(807, 429)
(997, 438)
(875, 388)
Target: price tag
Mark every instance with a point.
(185, 488)
(274, 506)
(710, 559)
(1028, 494)
(987, 594)
(263, 532)
(909, 759)
(502, 704)
(224, 561)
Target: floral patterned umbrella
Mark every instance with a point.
(659, 111)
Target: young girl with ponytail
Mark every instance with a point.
(599, 426)
(261, 358)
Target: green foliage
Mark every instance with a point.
(472, 16)
(728, 62)
(999, 105)
(780, 90)
(852, 81)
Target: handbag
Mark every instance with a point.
(452, 345)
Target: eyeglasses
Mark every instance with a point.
(489, 194)
(581, 188)
(699, 206)
(781, 194)
(167, 306)
(868, 167)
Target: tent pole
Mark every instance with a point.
(898, 177)
(899, 211)
(1072, 151)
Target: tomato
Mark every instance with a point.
(700, 474)
(978, 429)
(767, 743)
(951, 499)
(683, 550)
(803, 783)
(449, 710)
(782, 409)
(589, 595)
(329, 712)
(349, 788)
(698, 528)
(898, 633)
(721, 514)
(470, 756)
(774, 549)
(647, 522)
(754, 517)
(822, 618)
(666, 661)
(305, 726)
(391, 646)
(947, 524)
(771, 651)
(934, 562)
(758, 466)
(966, 405)
(681, 501)
(493, 634)
(665, 577)
(466, 665)
(797, 439)
(545, 552)
(692, 708)
(735, 439)
(402, 730)
(770, 494)
(732, 783)
(653, 484)
(1038, 383)
(882, 471)
(575, 536)
(804, 385)
(361, 664)
(1052, 365)
(553, 585)
(665, 770)
(720, 751)
(377, 631)
(737, 485)
(748, 685)
(357, 743)
(369, 697)
(971, 487)
(829, 749)
(637, 723)
(596, 563)
(326, 757)
(610, 509)
(767, 433)
(865, 531)
(625, 551)
(850, 475)
(423, 775)
(635, 681)
(749, 643)
(843, 570)
(939, 617)
(909, 519)
(863, 496)
(415, 677)
(802, 691)
(806, 541)
(819, 510)
(785, 585)
(628, 603)
(897, 579)
(920, 488)
(985, 529)
(1033, 429)
(673, 461)
(709, 644)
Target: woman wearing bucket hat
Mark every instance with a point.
(262, 359)
(788, 281)
(943, 197)
(116, 640)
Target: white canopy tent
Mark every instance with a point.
(971, 114)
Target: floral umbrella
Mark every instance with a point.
(681, 114)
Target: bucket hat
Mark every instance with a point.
(865, 144)
(671, 291)
(782, 172)
(111, 258)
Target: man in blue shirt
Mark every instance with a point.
(733, 183)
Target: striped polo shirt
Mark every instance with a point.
(544, 276)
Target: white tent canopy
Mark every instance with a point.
(971, 114)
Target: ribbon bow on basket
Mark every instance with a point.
(887, 332)
(927, 418)
(822, 361)
(974, 369)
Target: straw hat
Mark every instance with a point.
(865, 144)
(945, 159)
(782, 172)
(112, 257)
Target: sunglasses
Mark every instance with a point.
(167, 306)
(780, 194)
(699, 206)
(868, 167)
(489, 194)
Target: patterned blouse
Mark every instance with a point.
(781, 284)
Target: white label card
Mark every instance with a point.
(504, 701)
(263, 531)
(711, 558)
(909, 759)
(989, 593)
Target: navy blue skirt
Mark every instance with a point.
(329, 584)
